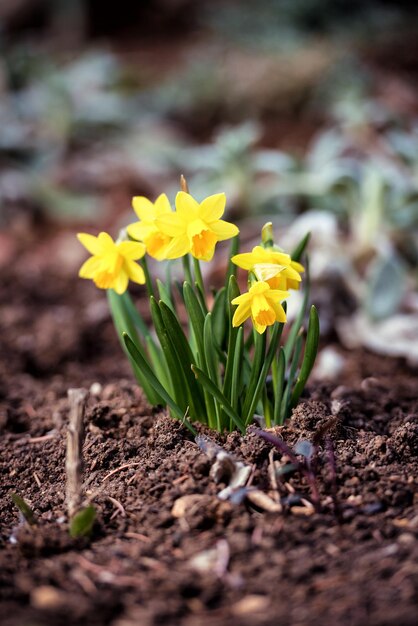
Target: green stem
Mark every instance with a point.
(187, 270)
(198, 276)
(148, 280)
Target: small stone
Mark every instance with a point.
(96, 389)
(182, 505)
(406, 539)
(47, 597)
(250, 604)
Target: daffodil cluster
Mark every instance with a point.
(195, 358)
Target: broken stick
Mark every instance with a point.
(74, 459)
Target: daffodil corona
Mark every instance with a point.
(262, 304)
(146, 229)
(113, 263)
(195, 227)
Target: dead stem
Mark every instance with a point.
(119, 469)
(74, 459)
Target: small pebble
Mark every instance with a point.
(96, 389)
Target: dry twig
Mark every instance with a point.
(74, 459)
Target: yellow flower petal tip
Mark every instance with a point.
(262, 304)
(146, 229)
(196, 227)
(112, 264)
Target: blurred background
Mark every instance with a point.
(305, 112)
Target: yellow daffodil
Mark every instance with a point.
(195, 227)
(146, 229)
(112, 264)
(276, 268)
(263, 305)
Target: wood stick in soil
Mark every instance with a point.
(74, 459)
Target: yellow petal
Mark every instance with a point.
(242, 312)
(260, 328)
(212, 208)
(244, 260)
(157, 245)
(131, 250)
(143, 208)
(140, 230)
(279, 312)
(170, 225)
(162, 205)
(242, 298)
(90, 242)
(90, 267)
(276, 295)
(135, 272)
(120, 283)
(178, 247)
(187, 207)
(297, 266)
(224, 230)
(106, 242)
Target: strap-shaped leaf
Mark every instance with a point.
(311, 349)
(185, 359)
(297, 253)
(165, 295)
(259, 354)
(219, 318)
(153, 380)
(178, 381)
(196, 317)
(297, 324)
(264, 370)
(233, 292)
(279, 382)
(286, 400)
(124, 324)
(232, 268)
(217, 393)
(237, 369)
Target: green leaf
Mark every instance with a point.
(265, 368)
(165, 295)
(311, 349)
(196, 317)
(258, 359)
(219, 318)
(286, 401)
(124, 324)
(185, 360)
(233, 292)
(217, 393)
(297, 253)
(297, 323)
(81, 525)
(24, 508)
(153, 380)
(237, 369)
(279, 381)
(232, 268)
(178, 381)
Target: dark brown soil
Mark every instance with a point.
(349, 558)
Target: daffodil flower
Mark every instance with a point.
(146, 229)
(269, 265)
(112, 264)
(262, 304)
(195, 227)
